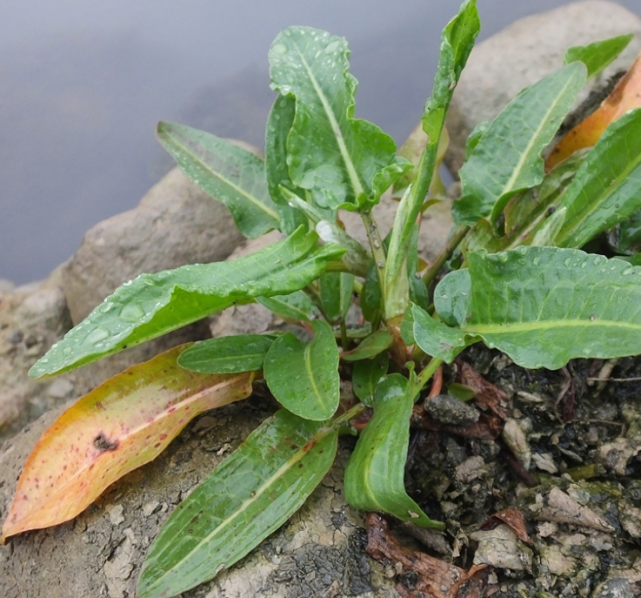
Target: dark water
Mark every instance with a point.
(83, 84)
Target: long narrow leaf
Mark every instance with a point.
(124, 423)
(597, 55)
(375, 472)
(227, 172)
(507, 158)
(607, 187)
(250, 495)
(154, 304)
(457, 42)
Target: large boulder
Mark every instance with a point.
(525, 52)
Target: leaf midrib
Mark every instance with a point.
(220, 177)
(318, 437)
(331, 117)
(547, 324)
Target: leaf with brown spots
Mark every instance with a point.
(124, 423)
(625, 96)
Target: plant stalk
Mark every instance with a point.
(452, 243)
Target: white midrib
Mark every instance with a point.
(279, 473)
(545, 325)
(235, 187)
(351, 170)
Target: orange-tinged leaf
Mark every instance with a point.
(625, 96)
(125, 422)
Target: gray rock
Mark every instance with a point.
(318, 552)
(175, 224)
(32, 318)
(526, 51)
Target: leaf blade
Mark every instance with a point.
(597, 55)
(375, 471)
(122, 424)
(304, 376)
(227, 355)
(507, 158)
(147, 306)
(293, 456)
(228, 173)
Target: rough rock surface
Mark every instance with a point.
(319, 552)
(526, 51)
(32, 318)
(175, 224)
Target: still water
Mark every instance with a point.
(83, 84)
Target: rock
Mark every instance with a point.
(175, 224)
(6, 285)
(32, 318)
(319, 552)
(526, 51)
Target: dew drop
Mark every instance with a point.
(536, 261)
(279, 49)
(567, 261)
(106, 307)
(96, 335)
(627, 271)
(131, 312)
(332, 47)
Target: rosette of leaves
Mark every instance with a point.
(365, 314)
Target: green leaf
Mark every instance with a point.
(336, 289)
(626, 237)
(304, 376)
(452, 298)
(606, 189)
(544, 306)
(507, 158)
(433, 337)
(342, 161)
(249, 496)
(598, 55)
(371, 299)
(366, 375)
(279, 121)
(375, 343)
(474, 137)
(153, 304)
(295, 306)
(457, 42)
(227, 355)
(375, 472)
(225, 171)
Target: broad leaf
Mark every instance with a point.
(507, 158)
(279, 122)
(227, 172)
(154, 304)
(336, 290)
(544, 306)
(124, 423)
(249, 496)
(375, 343)
(304, 376)
(366, 375)
(625, 96)
(452, 298)
(607, 187)
(597, 55)
(433, 337)
(227, 355)
(295, 306)
(375, 472)
(342, 161)
(457, 42)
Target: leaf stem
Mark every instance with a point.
(376, 246)
(452, 243)
(347, 416)
(423, 378)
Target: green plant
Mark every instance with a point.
(517, 280)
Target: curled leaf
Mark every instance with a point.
(124, 423)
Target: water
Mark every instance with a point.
(84, 84)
